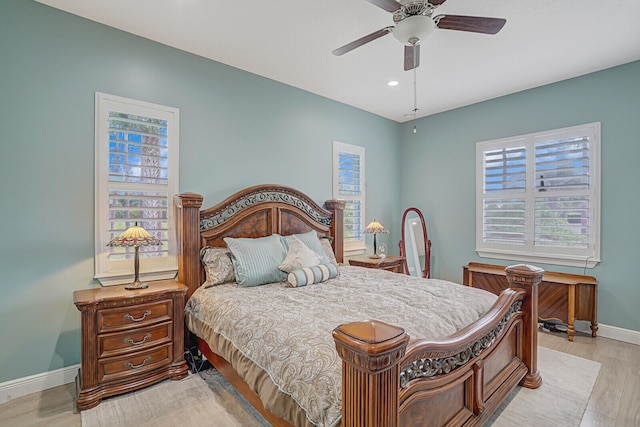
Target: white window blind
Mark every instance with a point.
(348, 183)
(136, 178)
(538, 197)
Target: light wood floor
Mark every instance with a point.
(615, 400)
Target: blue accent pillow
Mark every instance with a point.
(310, 238)
(256, 261)
(312, 275)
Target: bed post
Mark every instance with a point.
(336, 207)
(371, 353)
(188, 231)
(527, 278)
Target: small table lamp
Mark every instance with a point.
(135, 236)
(374, 228)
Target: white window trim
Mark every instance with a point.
(358, 247)
(511, 252)
(108, 272)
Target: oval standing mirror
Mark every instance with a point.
(415, 245)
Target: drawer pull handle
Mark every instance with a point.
(132, 366)
(130, 317)
(134, 343)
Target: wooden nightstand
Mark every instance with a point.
(391, 263)
(130, 339)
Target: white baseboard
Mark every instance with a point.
(38, 382)
(611, 332)
(619, 334)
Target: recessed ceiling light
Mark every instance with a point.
(392, 83)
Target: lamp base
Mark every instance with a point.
(136, 285)
(374, 256)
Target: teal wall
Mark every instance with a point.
(443, 186)
(236, 130)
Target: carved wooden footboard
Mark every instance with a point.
(390, 381)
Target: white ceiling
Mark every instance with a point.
(290, 41)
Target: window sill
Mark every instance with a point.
(353, 252)
(144, 277)
(581, 262)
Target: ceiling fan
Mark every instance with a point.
(414, 22)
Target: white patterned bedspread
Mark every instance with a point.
(287, 331)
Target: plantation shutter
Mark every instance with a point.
(138, 154)
(504, 216)
(562, 193)
(350, 190)
(137, 149)
(349, 185)
(538, 197)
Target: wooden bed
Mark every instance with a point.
(388, 378)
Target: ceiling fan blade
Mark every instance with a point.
(411, 57)
(474, 24)
(362, 40)
(388, 5)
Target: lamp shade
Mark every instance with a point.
(375, 227)
(134, 236)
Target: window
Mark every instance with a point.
(348, 185)
(136, 179)
(538, 197)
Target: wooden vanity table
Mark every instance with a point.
(561, 296)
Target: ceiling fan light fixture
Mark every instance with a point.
(413, 27)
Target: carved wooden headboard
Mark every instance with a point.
(256, 211)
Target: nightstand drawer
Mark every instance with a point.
(132, 365)
(134, 340)
(112, 319)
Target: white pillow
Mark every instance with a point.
(299, 256)
(328, 250)
(310, 238)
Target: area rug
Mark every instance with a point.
(562, 398)
(188, 402)
(208, 399)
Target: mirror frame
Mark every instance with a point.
(426, 273)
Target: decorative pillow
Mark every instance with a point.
(218, 266)
(310, 239)
(311, 275)
(328, 250)
(299, 256)
(256, 261)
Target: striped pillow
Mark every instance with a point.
(312, 275)
(256, 261)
